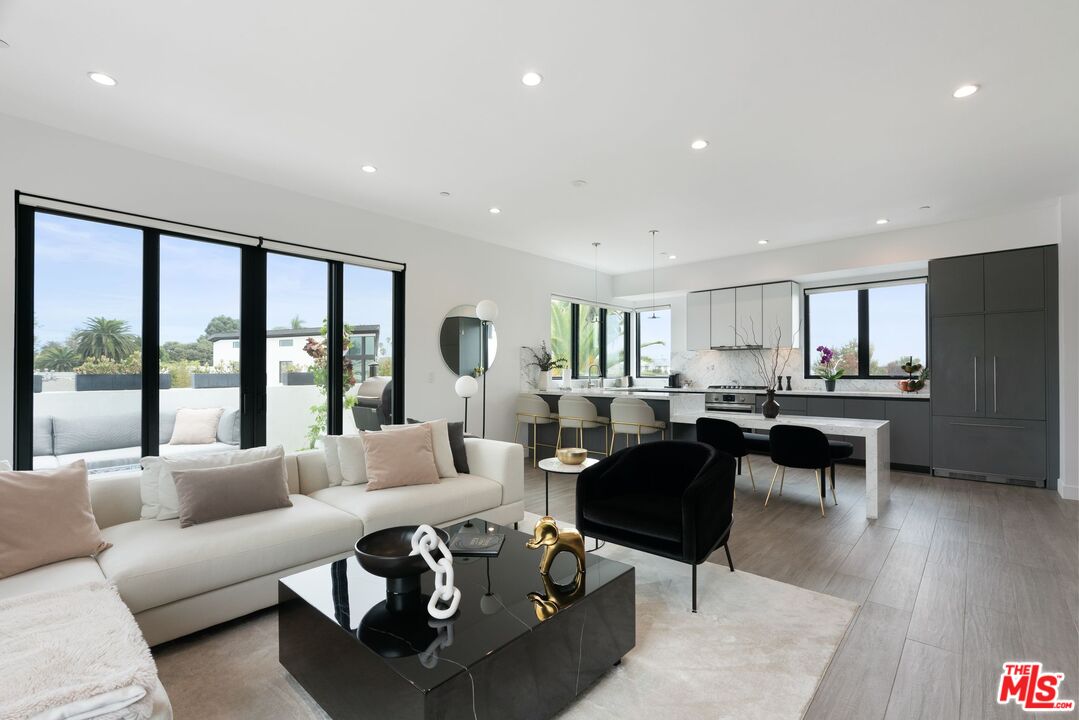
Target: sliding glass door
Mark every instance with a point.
(135, 340)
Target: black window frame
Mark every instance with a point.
(575, 325)
(637, 339)
(863, 327)
(253, 380)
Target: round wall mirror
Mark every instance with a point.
(463, 344)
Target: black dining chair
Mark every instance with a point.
(725, 436)
(807, 448)
(669, 498)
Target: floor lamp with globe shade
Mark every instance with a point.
(465, 387)
(487, 312)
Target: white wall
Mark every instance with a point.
(444, 270)
(1068, 486)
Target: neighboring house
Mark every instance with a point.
(284, 350)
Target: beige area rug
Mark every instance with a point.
(757, 648)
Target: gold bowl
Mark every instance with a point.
(571, 456)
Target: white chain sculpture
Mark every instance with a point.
(423, 542)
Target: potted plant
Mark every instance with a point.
(545, 362)
(104, 373)
(222, 375)
(828, 367)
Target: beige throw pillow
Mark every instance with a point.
(440, 439)
(196, 426)
(45, 517)
(158, 490)
(401, 457)
(209, 494)
(352, 458)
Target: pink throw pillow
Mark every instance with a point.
(400, 457)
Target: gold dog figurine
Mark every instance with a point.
(555, 596)
(553, 541)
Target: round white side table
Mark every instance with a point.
(556, 466)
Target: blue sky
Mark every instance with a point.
(84, 268)
(896, 320)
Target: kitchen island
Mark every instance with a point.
(876, 433)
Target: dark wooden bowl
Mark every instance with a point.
(386, 553)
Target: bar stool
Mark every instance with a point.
(533, 410)
(725, 436)
(580, 414)
(632, 416)
(800, 447)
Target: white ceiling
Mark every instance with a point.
(822, 116)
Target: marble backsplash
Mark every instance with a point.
(701, 368)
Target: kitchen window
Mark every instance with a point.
(589, 336)
(654, 342)
(871, 329)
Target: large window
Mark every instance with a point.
(654, 342)
(872, 330)
(589, 337)
(131, 334)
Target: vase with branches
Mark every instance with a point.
(544, 360)
(770, 362)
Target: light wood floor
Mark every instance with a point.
(954, 579)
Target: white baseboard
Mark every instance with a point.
(1068, 492)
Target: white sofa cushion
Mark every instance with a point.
(155, 562)
(415, 504)
(57, 576)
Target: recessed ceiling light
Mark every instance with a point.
(3, 44)
(368, 168)
(494, 211)
(444, 193)
(965, 91)
(924, 207)
(672, 257)
(531, 79)
(699, 144)
(882, 221)
(579, 183)
(102, 79)
(762, 241)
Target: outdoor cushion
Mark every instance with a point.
(42, 436)
(88, 433)
(45, 462)
(453, 498)
(196, 426)
(154, 562)
(104, 459)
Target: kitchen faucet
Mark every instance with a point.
(598, 377)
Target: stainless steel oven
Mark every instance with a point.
(729, 399)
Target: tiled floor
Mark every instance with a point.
(955, 578)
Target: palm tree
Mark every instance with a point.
(101, 336)
(58, 358)
(296, 322)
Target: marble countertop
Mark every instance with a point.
(666, 393)
(851, 393)
(608, 392)
(827, 425)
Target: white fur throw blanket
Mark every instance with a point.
(73, 654)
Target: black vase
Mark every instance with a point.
(829, 385)
(770, 408)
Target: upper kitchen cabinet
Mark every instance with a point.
(749, 315)
(782, 312)
(1015, 280)
(724, 318)
(957, 285)
(698, 321)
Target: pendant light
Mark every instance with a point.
(653, 316)
(593, 313)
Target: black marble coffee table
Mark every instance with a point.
(361, 654)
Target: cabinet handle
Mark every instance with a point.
(988, 425)
(975, 383)
(994, 384)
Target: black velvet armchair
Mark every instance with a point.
(669, 498)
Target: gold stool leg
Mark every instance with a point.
(535, 444)
(770, 485)
(517, 430)
(820, 488)
(751, 480)
(558, 442)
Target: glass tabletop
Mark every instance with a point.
(495, 607)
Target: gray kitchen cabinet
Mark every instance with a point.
(974, 448)
(958, 364)
(825, 407)
(957, 285)
(911, 427)
(1015, 365)
(698, 321)
(782, 314)
(788, 404)
(1015, 280)
(749, 314)
(723, 318)
(867, 409)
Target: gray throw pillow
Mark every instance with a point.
(209, 494)
(457, 444)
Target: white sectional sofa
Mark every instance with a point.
(177, 581)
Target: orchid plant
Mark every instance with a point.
(828, 364)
